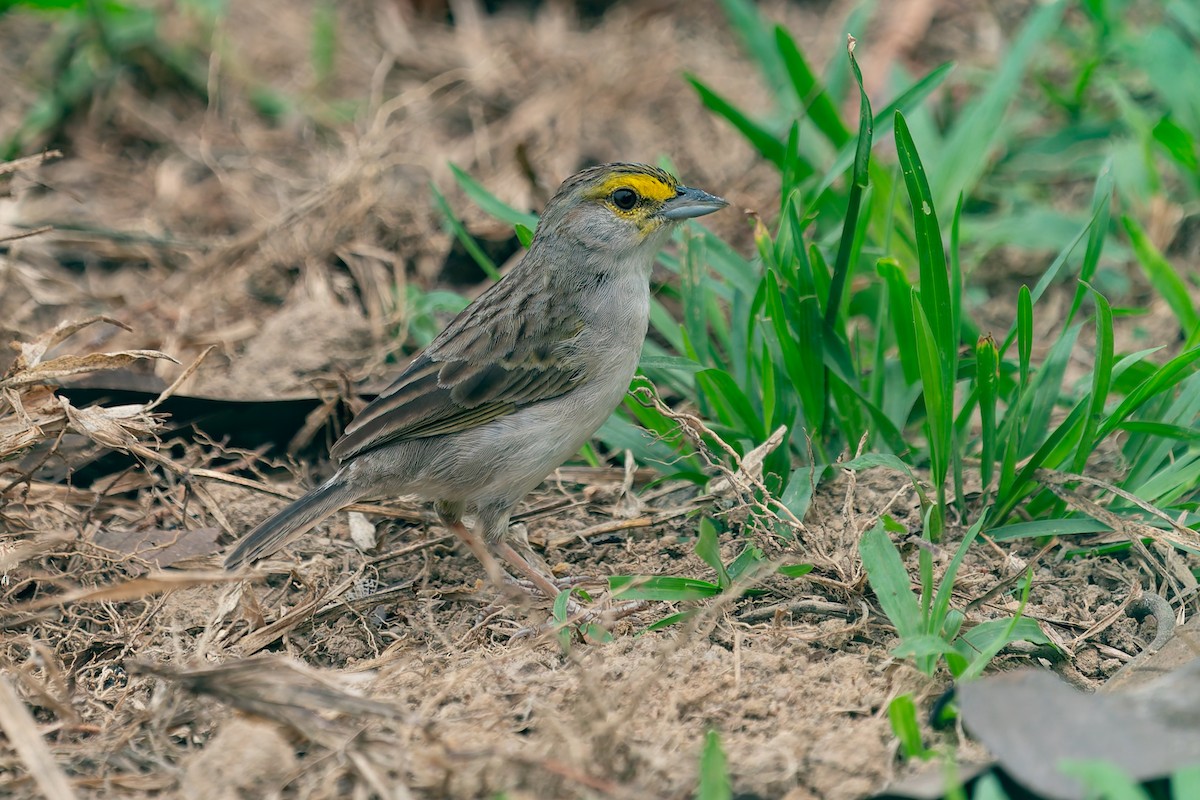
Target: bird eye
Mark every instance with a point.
(624, 199)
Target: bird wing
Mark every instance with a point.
(510, 348)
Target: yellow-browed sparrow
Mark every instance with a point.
(520, 379)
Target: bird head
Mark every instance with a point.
(619, 208)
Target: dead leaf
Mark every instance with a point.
(1033, 721)
(118, 427)
(162, 548)
(64, 366)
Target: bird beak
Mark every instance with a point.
(688, 203)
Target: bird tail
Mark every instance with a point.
(274, 533)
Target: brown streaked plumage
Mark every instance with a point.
(519, 380)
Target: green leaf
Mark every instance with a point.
(669, 620)
(984, 636)
(795, 570)
(664, 588)
(987, 377)
(324, 40)
(1101, 380)
(747, 561)
(714, 776)
(1097, 234)
(709, 549)
(989, 649)
(967, 149)
(907, 102)
(765, 142)
(862, 164)
(801, 351)
(812, 97)
(460, 232)
(902, 713)
(889, 580)
(1102, 779)
(489, 203)
(673, 363)
(1044, 528)
(899, 294)
(734, 407)
(1163, 277)
(935, 279)
(559, 611)
(1162, 380)
(941, 603)
(1185, 783)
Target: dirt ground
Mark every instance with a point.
(288, 246)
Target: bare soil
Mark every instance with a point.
(289, 245)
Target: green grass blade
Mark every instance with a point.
(899, 294)
(967, 149)
(939, 409)
(862, 163)
(935, 280)
(714, 774)
(1055, 447)
(756, 37)
(708, 547)
(1042, 528)
(889, 580)
(1165, 280)
(765, 142)
(811, 96)
(908, 101)
(902, 714)
(802, 351)
(491, 204)
(460, 232)
(987, 377)
(663, 588)
(1101, 380)
(1185, 783)
(1013, 428)
(1047, 387)
(990, 650)
(1097, 234)
(724, 393)
(1162, 380)
(941, 602)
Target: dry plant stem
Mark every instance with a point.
(1187, 536)
(619, 525)
(1005, 583)
(28, 162)
(23, 736)
(744, 482)
(1132, 529)
(807, 606)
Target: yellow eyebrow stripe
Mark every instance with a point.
(649, 186)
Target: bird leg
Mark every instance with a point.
(495, 572)
(522, 565)
(480, 550)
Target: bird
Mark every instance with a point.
(518, 381)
